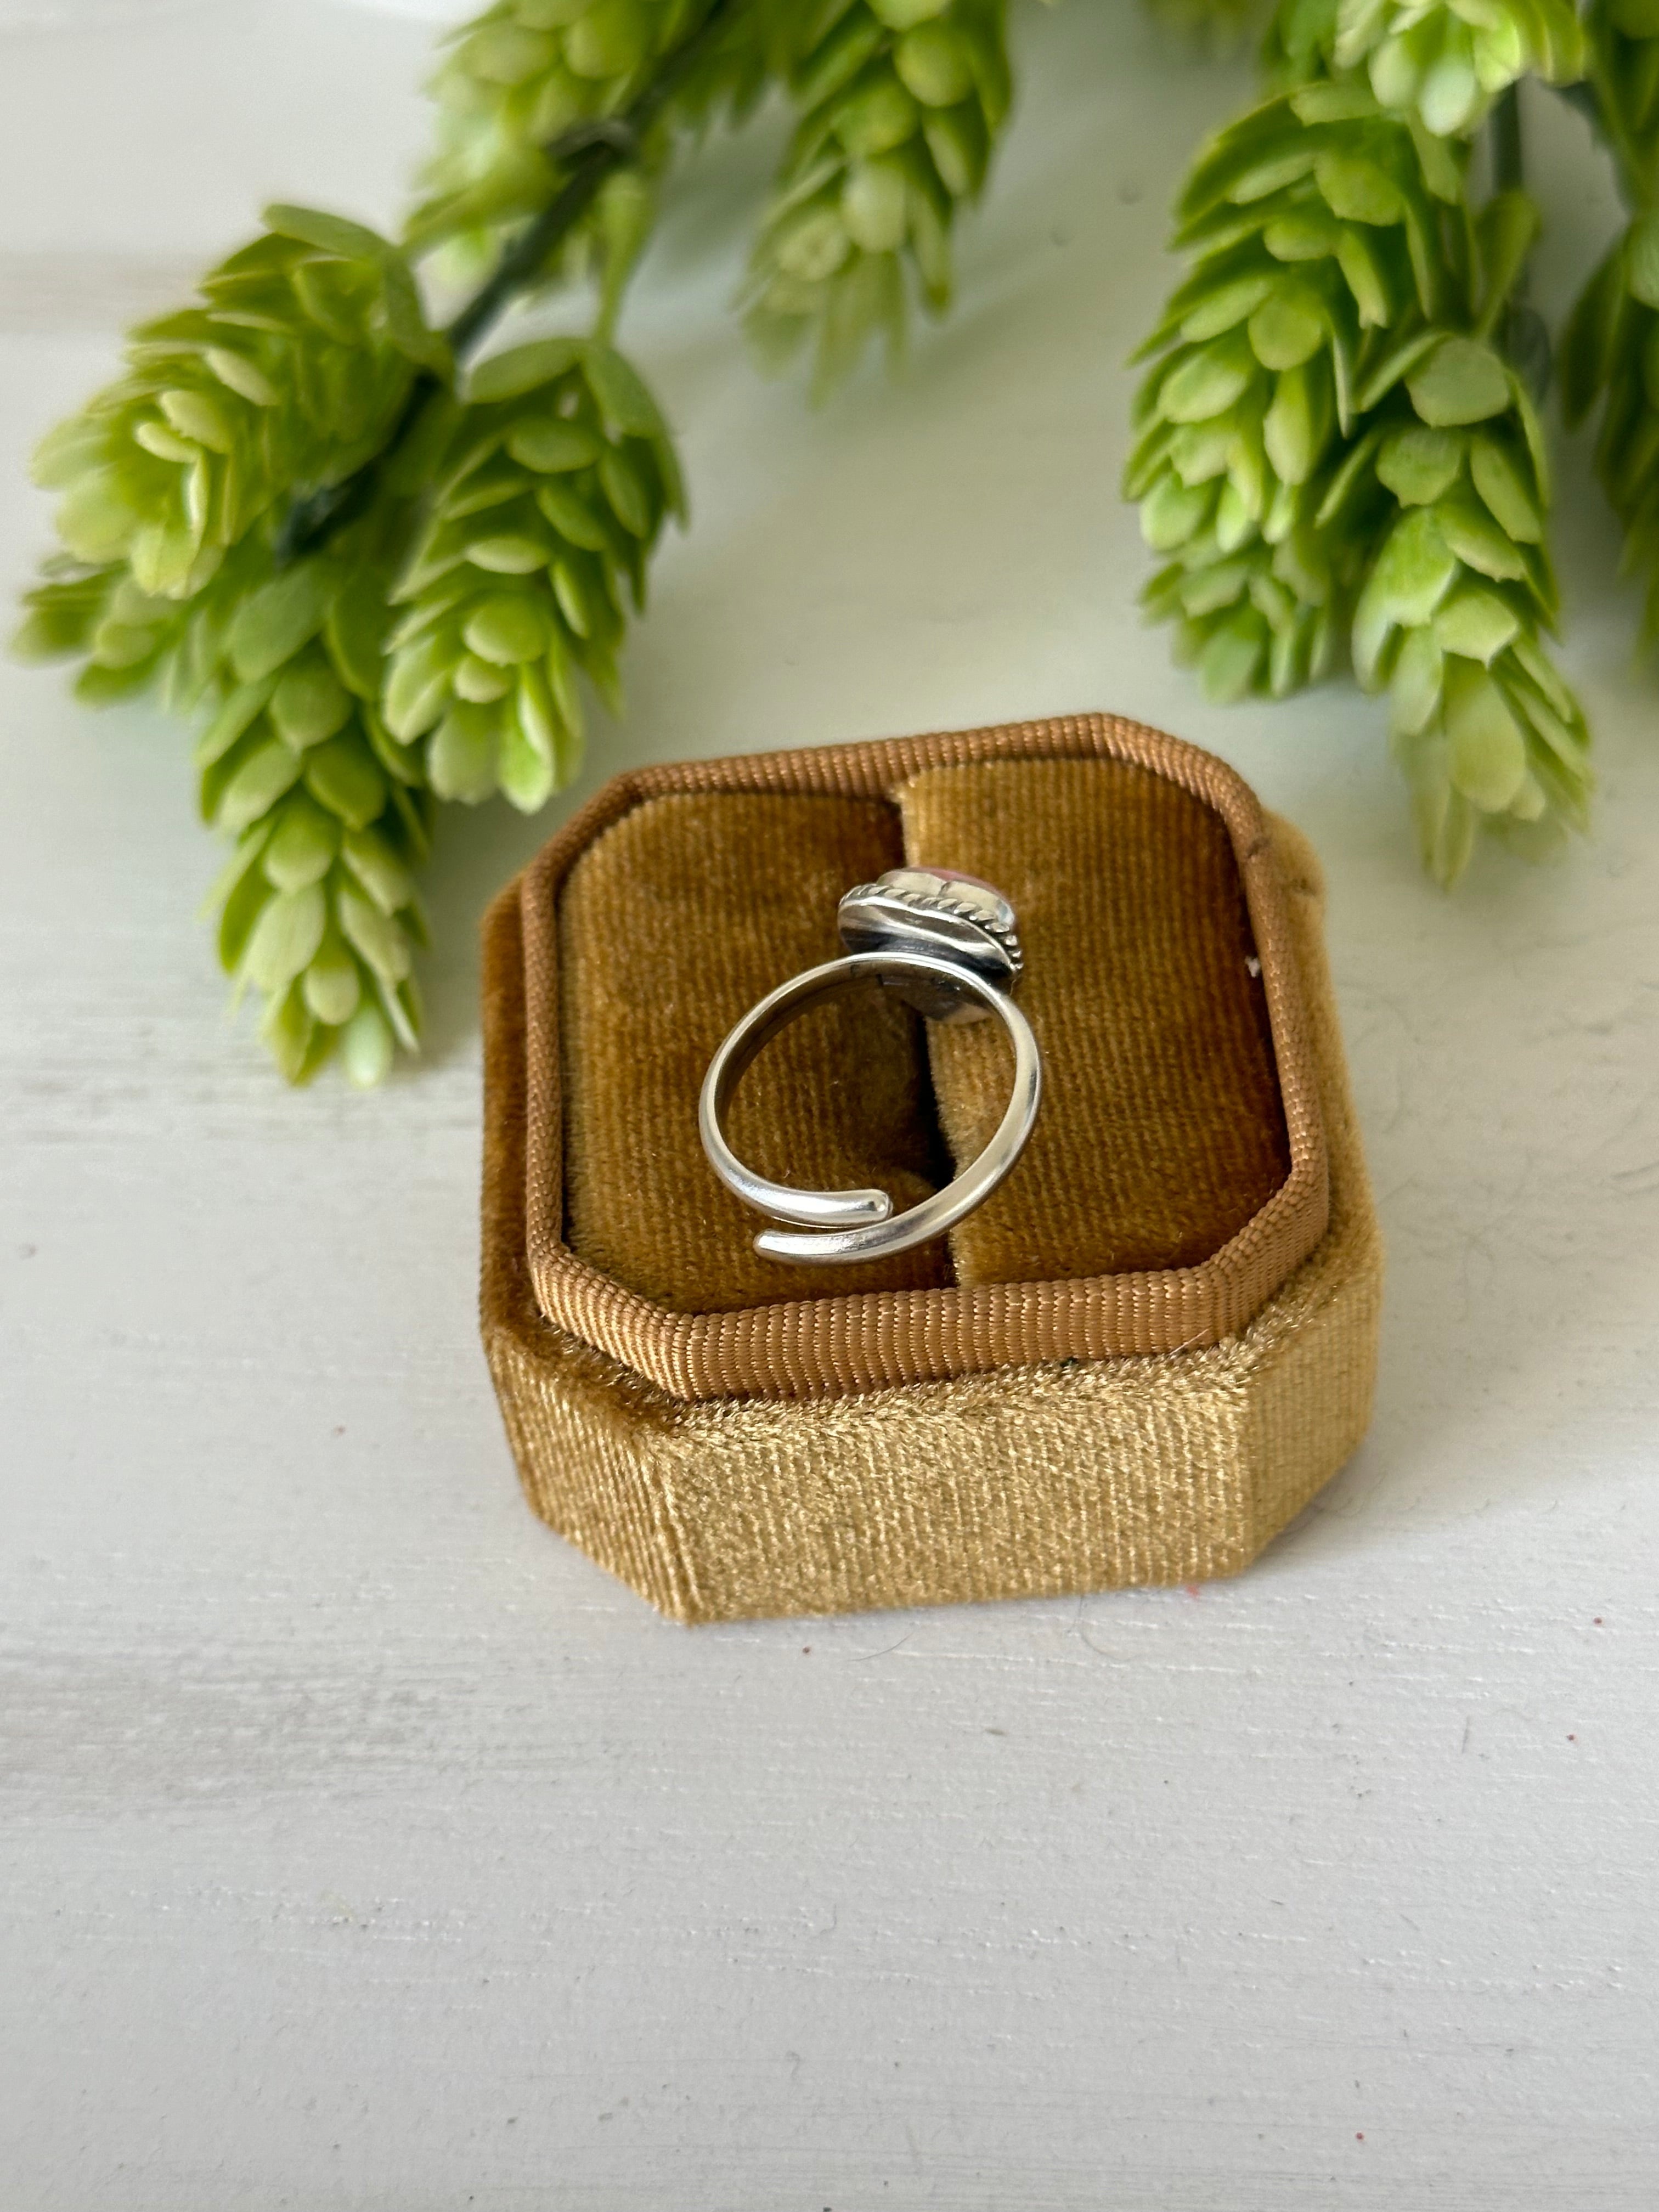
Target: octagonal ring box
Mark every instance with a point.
(1134, 1365)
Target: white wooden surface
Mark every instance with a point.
(365, 1847)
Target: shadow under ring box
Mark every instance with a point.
(1134, 1365)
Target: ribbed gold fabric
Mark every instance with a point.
(1179, 1173)
(1033, 1480)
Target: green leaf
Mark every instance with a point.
(1172, 512)
(366, 1047)
(1271, 174)
(522, 368)
(1348, 476)
(550, 445)
(1231, 659)
(1207, 381)
(1394, 364)
(302, 847)
(1476, 623)
(244, 900)
(289, 1035)
(1642, 258)
(461, 758)
(1586, 353)
(1287, 328)
(524, 775)
(627, 406)
(329, 234)
(1414, 570)
(241, 375)
(261, 780)
(288, 933)
(507, 553)
(876, 120)
(406, 325)
(1487, 753)
(354, 630)
(1461, 381)
(375, 936)
(1500, 484)
(1333, 103)
(480, 681)
(573, 599)
(1355, 189)
(274, 621)
(68, 451)
(625, 489)
(933, 65)
(1364, 280)
(379, 870)
(197, 416)
(1414, 686)
(1303, 233)
(507, 628)
(332, 984)
(417, 685)
(1507, 228)
(1418, 464)
(309, 704)
(874, 204)
(1290, 429)
(1222, 307)
(344, 775)
(1449, 98)
(1475, 538)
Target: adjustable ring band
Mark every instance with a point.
(945, 943)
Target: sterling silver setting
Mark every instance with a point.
(947, 945)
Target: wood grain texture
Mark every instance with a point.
(361, 1846)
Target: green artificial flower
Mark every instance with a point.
(282, 666)
(554, 490)
(1317, 227)
(1449, 485)
(900, 104)
(290, 372)
(1333, 453)
(525, 73)
(125, 637)
(1441, 63)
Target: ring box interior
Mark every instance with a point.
(1134, 1364)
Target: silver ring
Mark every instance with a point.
(945, 943)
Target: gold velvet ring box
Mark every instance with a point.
(1134, 1363)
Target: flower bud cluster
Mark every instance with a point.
(1334, 457)
(553, 489)
(1317, 229)
(327, 733)
(288, 371)
(899, 103)
(1441, 63)
(281, 667)
(523, 73)
(1447, 488)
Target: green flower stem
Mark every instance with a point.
(1508, 153)
(589, 153)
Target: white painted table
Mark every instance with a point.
(363, 1846)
